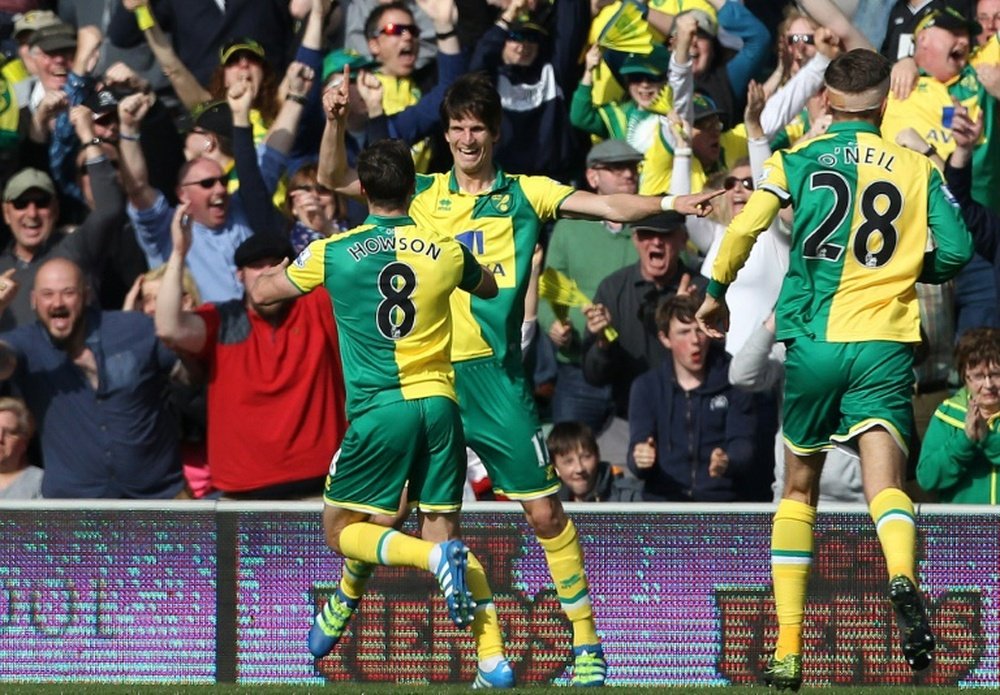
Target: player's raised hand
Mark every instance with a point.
(713, 317)
(180, 229)
(337, 98)
(718, 463)
(699, 204)
(644, 453)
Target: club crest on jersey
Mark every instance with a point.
(302, 258)
(501, 202)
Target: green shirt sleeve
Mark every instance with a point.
(472, 272)
(584, 115)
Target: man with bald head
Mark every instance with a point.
(94, 380)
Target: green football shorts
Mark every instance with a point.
(836, 391)
(498, 415)
(419, 441)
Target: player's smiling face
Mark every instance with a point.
(471, 145)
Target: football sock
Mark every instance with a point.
(376, 544)
(565, 558)
(355, 577)
(892, 512)
(791, 558)
(485, 624)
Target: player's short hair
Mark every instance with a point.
(473, 95)
(567, 437)
(857, 70)
(387, 174)
(375, 16)
(25, 422)
(977, 346)
(682, 307)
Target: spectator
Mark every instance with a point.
(585, 477)
(587, 251)
(31, 209)
(905, 18)
(961, 452)
(627, 300)
(357, 38)
(25, 26)
(95, 380)
(691, 434)
(19, 480)
(534, 72)
(256, 357)
(318, 212)
(197, 30)
(987, 55)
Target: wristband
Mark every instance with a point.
(930, 151)
(297, 98)
(682, 152)
(441, 36)
(144, 18)
(667, 202)
(130, 138)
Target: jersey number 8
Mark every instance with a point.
(396, 312)
(817, 244)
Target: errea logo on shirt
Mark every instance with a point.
(444, 204)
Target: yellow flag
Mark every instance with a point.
(627, 30)
(562, 291)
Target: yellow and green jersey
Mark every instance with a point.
(500, 227)
(866, 211)
(924, 111)
(390, 280)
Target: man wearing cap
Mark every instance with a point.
(263, 362)
(627, 300)
(95, 380)
(904, 18)
(587, 251)
(943, 42)
(22, 74)
(871, 220)
(31, 211)
(53, 48)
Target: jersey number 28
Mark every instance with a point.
(818, 245)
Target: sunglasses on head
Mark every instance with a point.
(731, 181)
(392, 29)
(793, 39)
(207, 183)
(41, 201)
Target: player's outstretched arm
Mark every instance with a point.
(273, 286)
(333, 170)
(953, 243)
(626, 207)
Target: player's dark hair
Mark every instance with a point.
(857, 70)
(387, 174)
(375, 16)
(473, 95)
(977, 346)
(567, 437)
(682, 307)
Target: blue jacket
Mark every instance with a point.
(687, 426)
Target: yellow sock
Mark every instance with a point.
(376, 544)
(892, 512)
(791, 558)
(565, 558)
(485, 624)
(355, 577)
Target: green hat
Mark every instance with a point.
(656, 63)
(336, 60)
(233, 47)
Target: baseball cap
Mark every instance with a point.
(25, 180)
(613, 151)
(661, 222)
(706, 24)
(231, 48)
(950, 20)
(336, 60)
(260, 247)
(101, 101)
(33, 21)
(656, 63)
(55, 37)
(704, 106)
(213, 116)
(526, 30)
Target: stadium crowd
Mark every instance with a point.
(137, 365)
